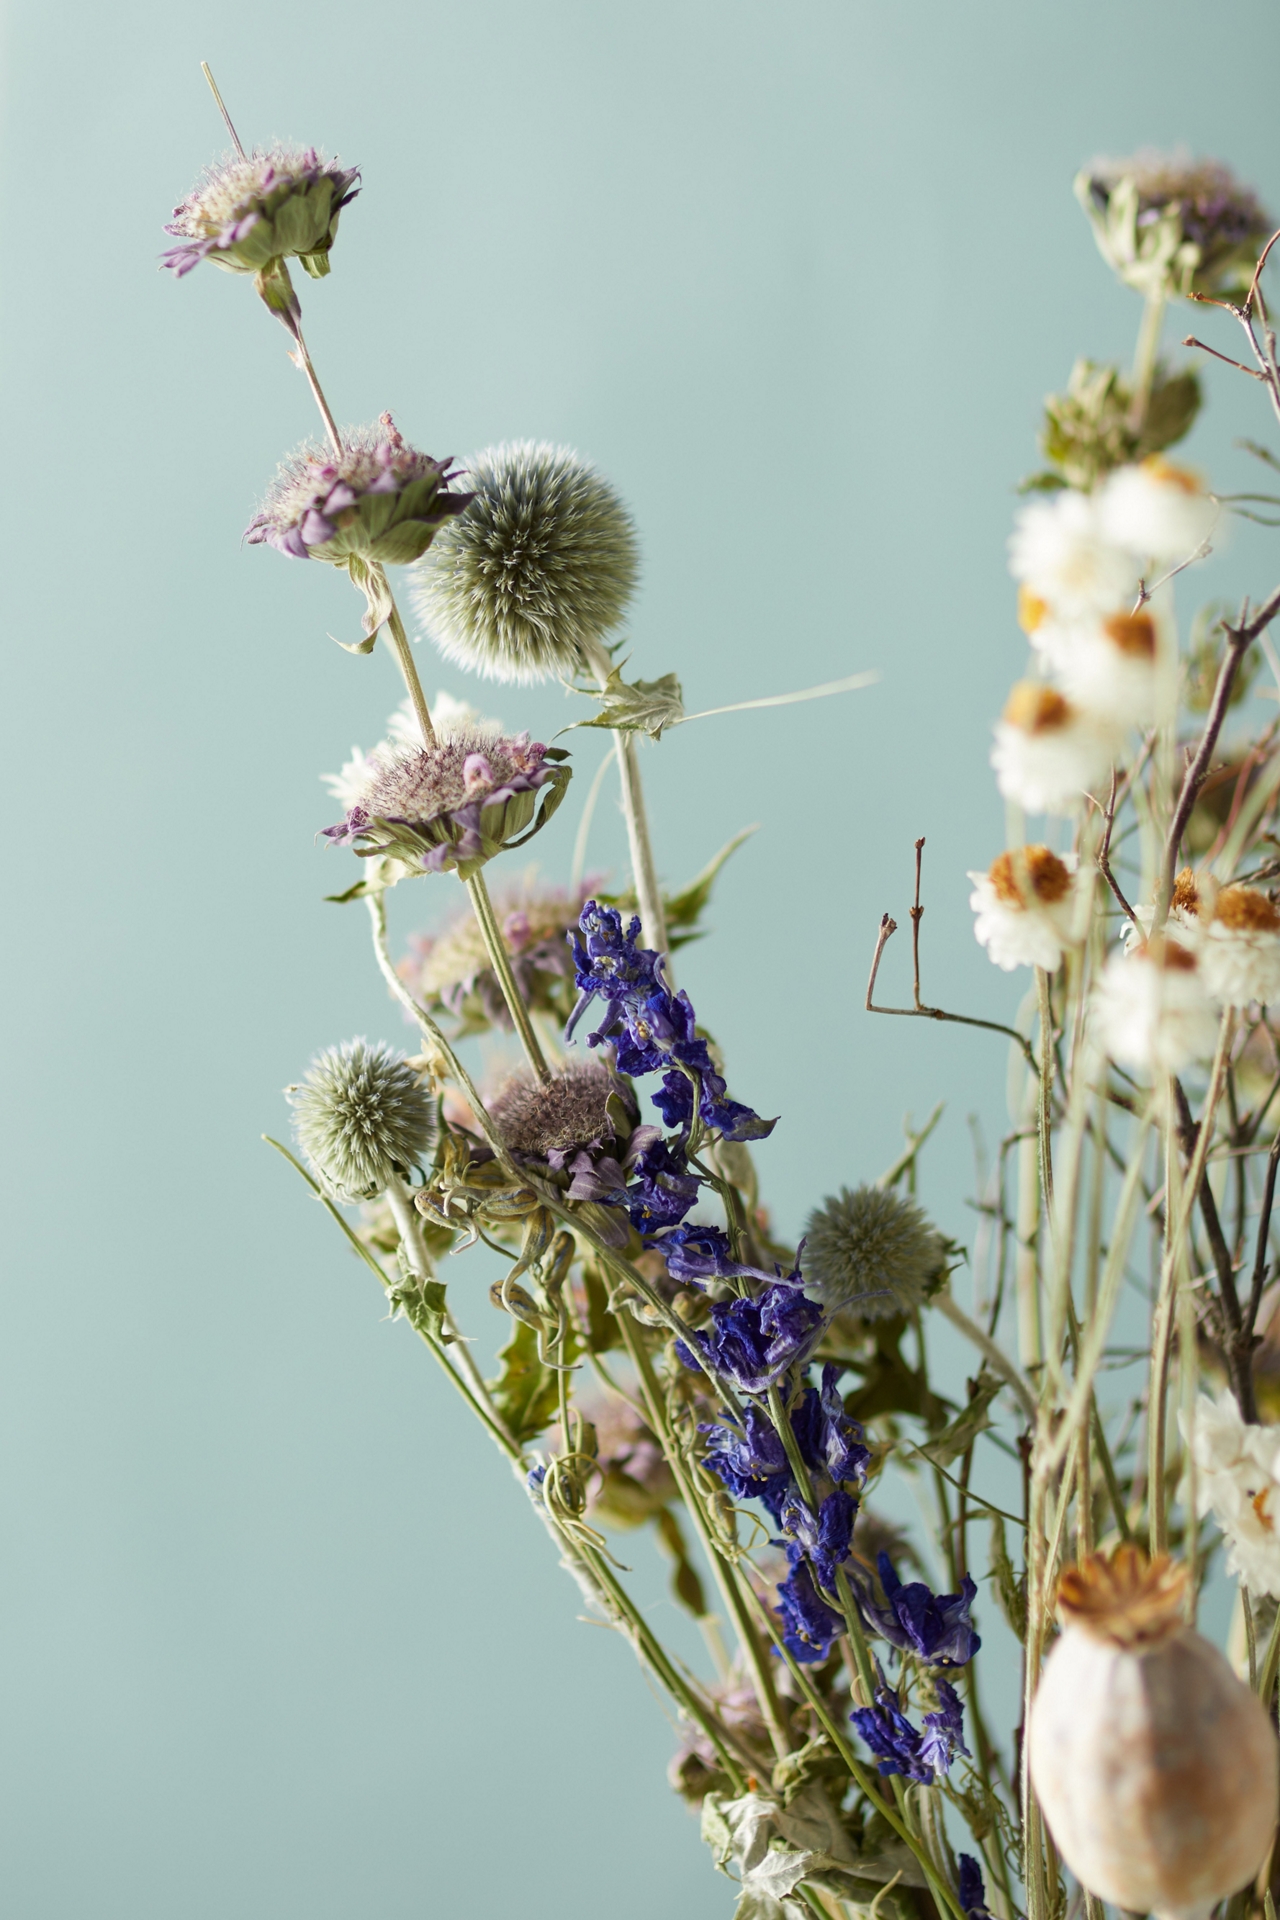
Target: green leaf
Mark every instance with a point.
(685, 1583)
(423, 1305)
(405, 541)
(959, 1434)
(640, 706)
(684, 908)
(525, 1392)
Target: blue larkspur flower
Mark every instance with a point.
(754, 1342)
(822, 1538)
(751, 1459)
(935, 1627)
(809, 1625)
(661, 1189)
(943, 1736)
(891, 1737)
(830, 1442)
(653, 1029)
(973, 1895)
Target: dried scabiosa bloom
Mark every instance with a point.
(542, 565)
(872, 1250)
(362, 1116)
(578, 1130)
(1023, 906)
(1155, 1766)
(1166, 221)
(276, 203)
(378, 500)
(456, 803)
(453, 969)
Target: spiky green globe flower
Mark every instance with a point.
(362, 1115)
(871, 1250)
(528, 581)
(255, 208)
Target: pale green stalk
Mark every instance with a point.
(653, 919)
(497, 950)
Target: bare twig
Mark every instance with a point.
(1264, 1231)
(888, 927)
(1104, 854)
(1189, 340)
(917, 915)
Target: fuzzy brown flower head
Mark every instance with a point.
(871, 1250)
(452, 969)
(1167, 221)
(540, 567)
(570, 1110)
(378, 500)
(1246, 910)
(455, 803)
(250, 209)
(1045, 874)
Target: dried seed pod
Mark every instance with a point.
(1155, 1766)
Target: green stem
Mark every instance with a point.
(653, 917)
(1145, 359)
(497, 946)
(404, 658)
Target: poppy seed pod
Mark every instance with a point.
(1154, 1765)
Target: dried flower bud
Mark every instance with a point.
(872, 1250)
(1167, 221)
(1088, 431)
(456, 803)
(378, 500)
(362, 1115)
(537, 571)
(1155, 1766)
(275, 203)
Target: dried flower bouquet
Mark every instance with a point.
(668, 1362)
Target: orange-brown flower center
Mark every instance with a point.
(1246, 910)
(1133, 633)
(1036, 867)
(1124, 1597)
(1186, 893)
(1036, 708)
(1031, 609)
(1170, 476)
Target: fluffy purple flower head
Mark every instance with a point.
(455, 803)
(451, 972)
(935, 1627)
(809, 1625)
(754, 1342)
(250, 209)
(379, 500)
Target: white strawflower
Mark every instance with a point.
(1061, 553)
(1240, 948)
(1023, 907)
(1047, 752)
(1238, 1481)
(451, 719)
(1189, 908)
(1152, 1011)
(1105, 667)
(1157, 510)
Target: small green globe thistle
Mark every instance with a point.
(362, 1115)
(526, 583)
(872, 1250)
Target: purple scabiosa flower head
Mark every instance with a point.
(249, 209)
(451, 971)
(379, 500)
(455, 803)
(540, 567)
(754, 1342)
(1165, 220)
(362, 1115)
(934, 1627)
(809, 1625)
(872, 1250)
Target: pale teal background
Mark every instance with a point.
(279, 1637)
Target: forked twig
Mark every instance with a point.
(888, 927)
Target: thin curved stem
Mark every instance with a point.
(653, 917)
(497, 948)
(399, 640)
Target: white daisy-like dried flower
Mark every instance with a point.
(1048, 753)
(1152, 1010)
(1023, 905)
(1106, 667)
(1065, 558)
(1190, 906)
(1240, 949)
(1238, 1481)
(1157, 511)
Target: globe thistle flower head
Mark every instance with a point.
(361, 1116)
(873, 1250)
(456, 803)
(527, 582)
(1166, 220)
(378, 500)
(1023, 906)
(252, 208)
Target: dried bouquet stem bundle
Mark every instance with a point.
(668, 1361)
